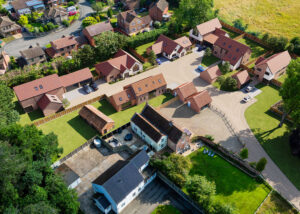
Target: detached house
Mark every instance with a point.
(139, 92)
(56, 14)
(157, 131)
(121, 66)
(130, 23)
(8, 27)
(33, 55)
(211, 74)
(272, 67)
(159, 10)
(4, 62)
(94, 30)
(123, 182)
(62, 47)
(170, 48)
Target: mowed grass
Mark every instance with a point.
(278, 17)
(282, 78)
(73, 131)
(209, 60)
(141, 50)
(256, 49)
(264, 125)
(166, 209)
(233, 186)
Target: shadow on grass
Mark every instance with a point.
(34, 115)
(208, 60)
(82, 127)
(106, 108)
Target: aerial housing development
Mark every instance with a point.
(149, 107)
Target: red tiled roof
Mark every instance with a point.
(122, 97)
(186, 89)
(96, 29)
(183, 42)
(76, 77)
(46, 100)
(212, 72)
(209, 26)
(211, 38)
(241, 76)
(200, 99)
(37, 87)
(63, 42)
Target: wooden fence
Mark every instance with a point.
(276, 83)
(67, 111)
(134, 53)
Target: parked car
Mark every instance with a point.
(71, 8)
(87, 89)
(158, 61)
(72, 13)
(97, 142)
(128, 137)
(142, 10)
(201, 68)
(249, 88)
(94, 86)
(201, 48)
(246, 99)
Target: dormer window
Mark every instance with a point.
(120, 98)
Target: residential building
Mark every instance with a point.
(56, 14)
(8, 27)
(123, 182)
(121, 66)
(70, 177)
(47, 92)
(158, 131)
(164, 46)
(130, 23)
(187, 93)
(272, 67)
(27, 6)
(62, 47)
(131, 4)
(96, 119)
(207, 32)
(231, 51)
(4, 62)
(211, 74)
(92, 31)
(139, 92)
(242, 78)
(159, 10)
(33, 55)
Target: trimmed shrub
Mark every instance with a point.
(244, 153)
(157, 24)
(209, 137)
(261, 164)
(230, 84)
(66, 23)
(221, 80)
(71, 3)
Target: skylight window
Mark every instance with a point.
(159, 80)
(120, 98)
(237, 50)
(146, 85)
(41, 87)
(229, 46)
(128, 95)
(140, 89)
(36, 88)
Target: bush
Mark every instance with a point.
(208, 52)
(152, 57)
(221, 80)
(50, 26)
(244, 153)
(295, 45)
(157, 24)
(66, 23)
(260, 166)
(41, 29)
(209, 137)
(225, 67)
(65, 102)
(230, 84)
(110, 13)
(238, 23)
(89, 21)
(253, 164)
(71, 3)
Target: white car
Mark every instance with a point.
(246, 99)
(249, 88)
(97, 142)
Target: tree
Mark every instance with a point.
(87, 21)
(7, 113)
(225, 67)
(244, 153)
(294, 140)
(40, 207)
(208, 52)
(295, 45)
(238, 23)
(190, 13)
(290, 93)
(157, 24)
(97, 7)
(85, 56)
(276, 43)
(230, 84)
(152, 57)
(23, 20)
(110, 13)
(260, 166)
(217, 207)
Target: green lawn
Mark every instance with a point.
(231, 34)
(166, 209)
(257, 50)
(275, 204)
(233, 186)
(73, 131)
(282, 78)
(8, 39)
(274, 140)
(208, 60)
(141, 50)
(229, 74)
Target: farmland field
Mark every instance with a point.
(278, 17)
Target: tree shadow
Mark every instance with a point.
(82, 127)
(34, 115)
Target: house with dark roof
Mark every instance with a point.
(231, 51)
(8, 27)
(158, 131)
(122, 65)
(4, 62)
(56, 14)
(94, 30)
(211, 74)
(123, 182)
(139, 92)
(33, 55)
(70, 177)
(96, 119)
(159, 10)
(27, 6)
(62, 47)
(130, 4)
(272, 67)
(131, 23)
(169, 48)
(242, 78)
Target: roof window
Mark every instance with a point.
(159, 80)
(140, 89)
(146, 85)
(36, 88)
(229, 46)
(120, 98)
(41, 87)
(237, 50)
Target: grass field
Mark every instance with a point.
(278, 17)
(274, 140)
(208, 60)
(73, 131)
(142, 49)
(232, 185)
(166, 209)
(257, 50)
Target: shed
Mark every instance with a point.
(242, 78)
(211, 74)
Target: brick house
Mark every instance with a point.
(139, 92)
(94, 30)
(232, 51)
(33, 55)
(62, 47)
(242, 78)
(159, 10)
(121, 66)
(171, 48)
(211, 74)
(56, 14)
(272, 67)
(8, 27)
(4, 62)
(131, 24)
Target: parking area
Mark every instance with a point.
(206, 122)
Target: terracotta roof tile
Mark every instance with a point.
(242, 77)
(122, 97)
(186, 89)
(209, 26)
(200, 99)
(96, 29)
(63, 42)
(76, 77)
(183, 42)
(277, 61)
(212, 72)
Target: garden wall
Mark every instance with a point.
(276, 109)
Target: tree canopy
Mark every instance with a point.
(87, 21)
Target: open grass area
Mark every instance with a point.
(73, 131)
(282, 78)
(166, 209)
(278, 17)
(264, 125)
(275, 204)
(208, 60)
(233, 186)
(141, 50)
(257, 50)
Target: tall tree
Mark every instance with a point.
(97, 7)
(290, 93)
